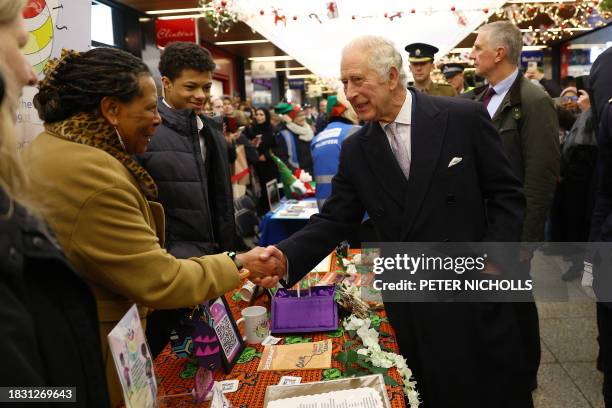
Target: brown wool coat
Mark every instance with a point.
(113, 237)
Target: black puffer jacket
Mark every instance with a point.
(48, 320)
(197, 198)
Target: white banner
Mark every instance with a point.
(52, 25)
(263, 69)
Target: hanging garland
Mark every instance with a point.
(219, 15)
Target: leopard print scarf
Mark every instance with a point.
(95, 131)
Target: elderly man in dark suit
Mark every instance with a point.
(400, 168)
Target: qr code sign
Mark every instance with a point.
(227, 337)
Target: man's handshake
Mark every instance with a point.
(266, 265)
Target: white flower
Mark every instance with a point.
(351, 269)
(357, 259)
(413, 398)
(368, 336)
(400, 362)
(355, 323)
(380, 360)
(346, 262)
(374, 348)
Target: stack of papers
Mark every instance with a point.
(355, 398)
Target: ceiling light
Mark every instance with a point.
(175, 11)
(291, 69)
(301, 76)
(181, 16)
(274, 58)
(241, 42)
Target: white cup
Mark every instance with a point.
(256, 326)
(247, 291)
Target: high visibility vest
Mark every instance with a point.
(325, 150)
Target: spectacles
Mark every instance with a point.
(570, 98)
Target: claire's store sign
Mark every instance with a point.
(168, 31)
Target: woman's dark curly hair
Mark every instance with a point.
(80, 82)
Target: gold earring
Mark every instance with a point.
(119, 137)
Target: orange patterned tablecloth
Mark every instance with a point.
(252, 384)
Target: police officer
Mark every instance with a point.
(421, 58)
(453, 72)
(325, 147)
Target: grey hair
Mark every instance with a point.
(382, 55)
(507, 35)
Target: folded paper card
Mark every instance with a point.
(315, 310)
(133, 361)
(301, 356)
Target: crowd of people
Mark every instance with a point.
(126, 197)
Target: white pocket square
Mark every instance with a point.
(454, 161)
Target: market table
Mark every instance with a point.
(171, 371)
(275, 226)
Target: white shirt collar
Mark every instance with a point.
(504, 85)
(405, 114)
(199, 122)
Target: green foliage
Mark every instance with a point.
(332, 374)
(296, 340)
(247, 355)
(336, 333)
(390, 381)
(606, 5)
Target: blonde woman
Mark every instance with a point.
(43, 303)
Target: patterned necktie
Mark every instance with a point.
(399, 150)
(487, 97)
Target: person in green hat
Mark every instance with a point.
(421, 58)
(293, 137)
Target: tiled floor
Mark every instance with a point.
(568, 377)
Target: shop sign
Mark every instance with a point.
(532, 56)
(169, 31)
(296, 83)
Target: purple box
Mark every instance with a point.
(309, 313)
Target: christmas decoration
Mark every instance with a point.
(396, 15)
(219, 15)
(461, 19)
(278, 17)
(332, 9)
(293, 188)
(313, 15)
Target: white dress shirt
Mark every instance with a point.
(501, 89)
(399, 135)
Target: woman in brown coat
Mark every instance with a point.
(99, 109)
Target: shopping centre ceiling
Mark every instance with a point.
(314, 31)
